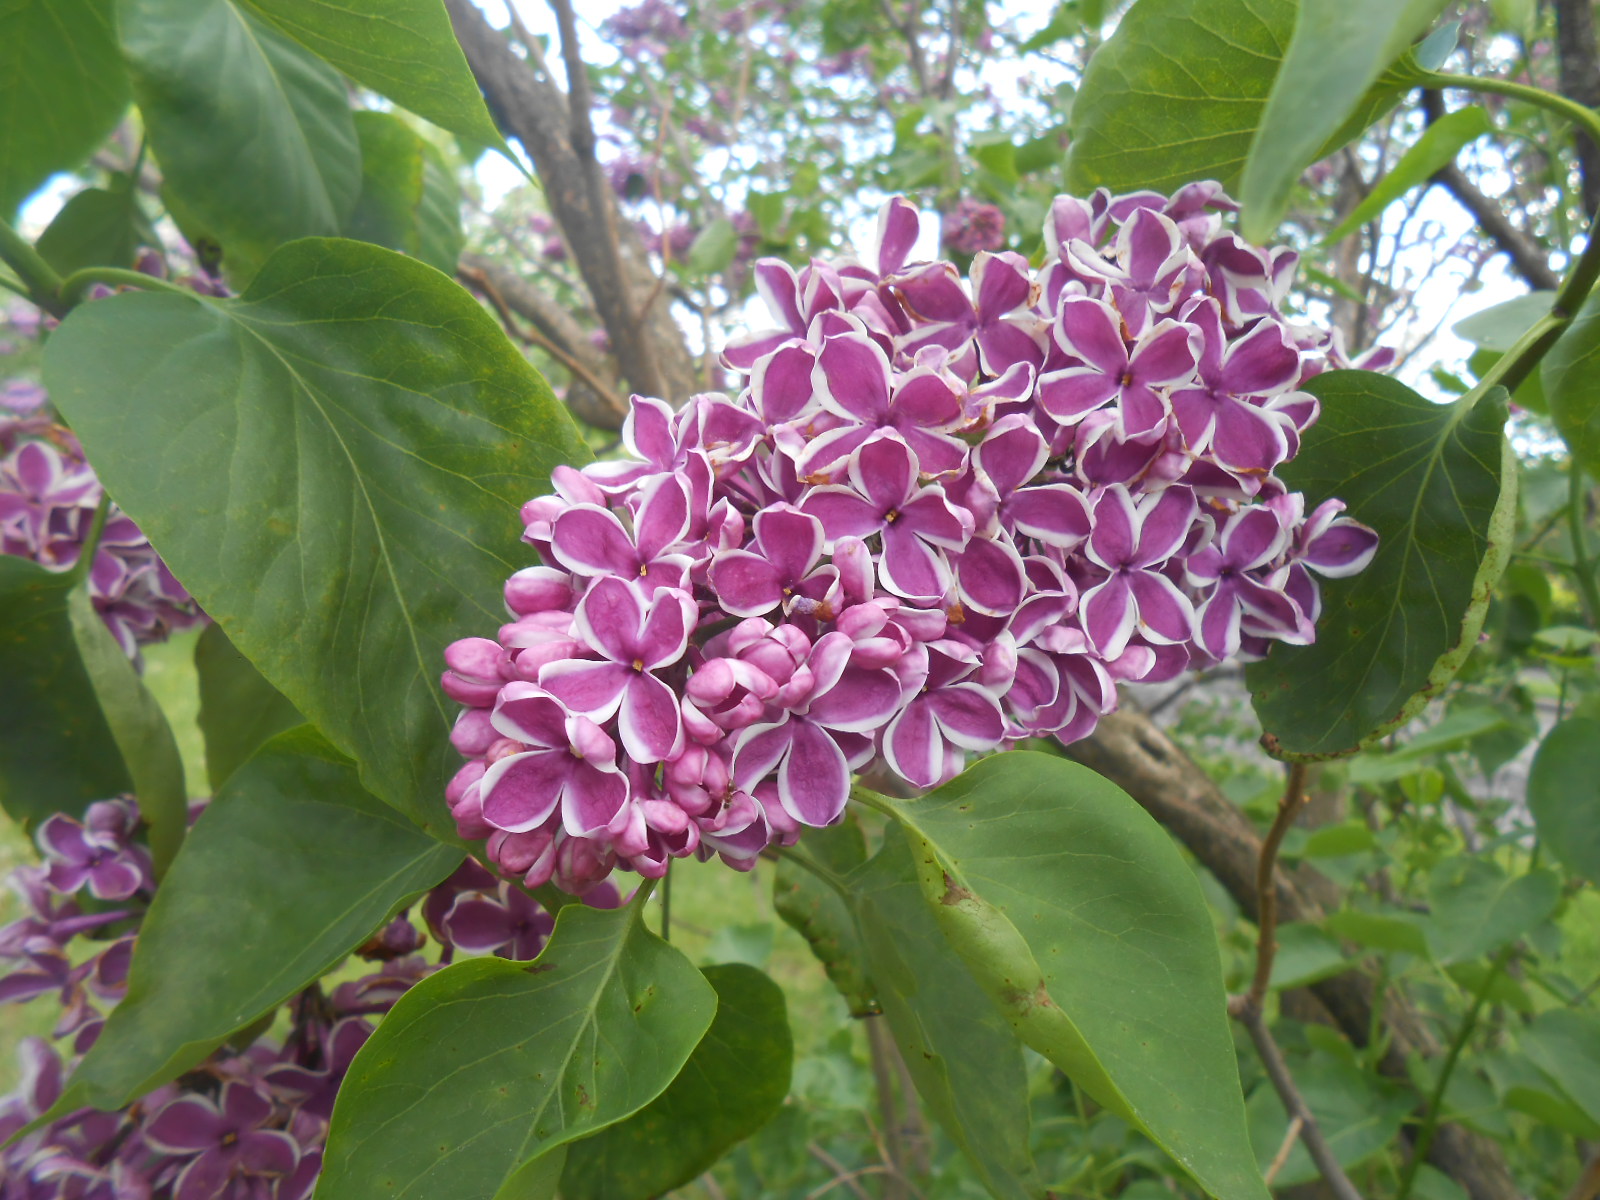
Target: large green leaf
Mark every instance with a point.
(408, 201)
(403, 49)
(1571, 374)
(1082, 921)
(253, 133)
(239, 710)
(818, 913)
(962, 1055)
(332, 465)
(291, 866)
(1337, 51)
(62, 88)
(56, 750)
(1176, 93)
(481, 1069)
(1564, 795)
(731, 1086)
(1438, 483)
(139, 729)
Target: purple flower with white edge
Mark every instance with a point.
(633, 640)
(929, 517)
(1090, 331)
(1129, 540)
(97, 852)
(224, 1140)
(569, 767)
(914, 522)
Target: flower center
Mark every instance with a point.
(892, 515)
(638, 664)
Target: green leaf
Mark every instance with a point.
(56, 750)
(254, 134)
(820, 915)
(731, 1086)
(291, 866)
(1175, 94)
(239, 711)
(408, 201)
(487, 1065)
(62, 89)
(965, 1060)
(1478, 908)
(402, 49)
(1565, 1045)
(1438, 483)
(1524, 1088)
(713, 248)
(1572, 384)
(1337, 52)
(1500, 325)
(139, 729)
(1305, 955)
(1564, 795)
(98, 227)
(1380, 931)
(1434, 150)
(1080, 918)
(332, 465)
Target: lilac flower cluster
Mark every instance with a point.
(48, 497)
(246, 1124)
(937, 517)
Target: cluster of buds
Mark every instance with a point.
(49, 495)
(246, 1124)
(938, 517)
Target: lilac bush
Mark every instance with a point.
(936, 517)
(249, 1123)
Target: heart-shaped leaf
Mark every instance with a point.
(483, 1068)
(333, 466)
(1438, 483)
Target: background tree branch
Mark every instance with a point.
(529, 106)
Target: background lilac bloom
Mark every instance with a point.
(931, 515)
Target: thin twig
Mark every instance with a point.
(1248, 1010)
(1255, 1022)
(1267, 891)
(841, 1173)
(1290, 1137)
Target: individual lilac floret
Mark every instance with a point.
(48, 498)
(937, 516)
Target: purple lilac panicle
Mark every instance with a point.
(247, 1125)
(48, 498)
(937, 516)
